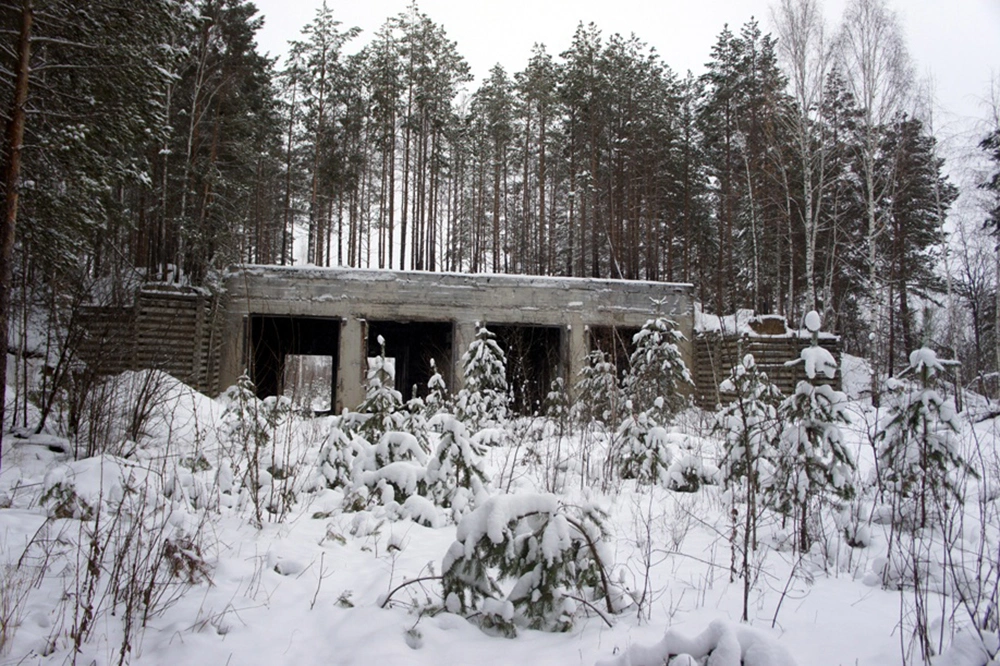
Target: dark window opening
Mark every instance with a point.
(534, 361)
(306, 381)
(274, 339)
(616, 343)
(412, 345)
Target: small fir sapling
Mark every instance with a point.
(394, 468)
(550, 556)
(641, 452)
(600, 398)
(338, 457)
(812, 461)
(749, 427)
(455, 477)
(483, 402)
(652, 390)
(657, 370)
(918, 450)
(437, 400)
(383, 404)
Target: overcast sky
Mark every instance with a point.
(953, 43)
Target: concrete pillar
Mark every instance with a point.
(351, 364)
(231, 350)
(576, 337)
(464, 332)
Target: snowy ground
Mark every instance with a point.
(308, 586)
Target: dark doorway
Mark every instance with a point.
(534, 360)
(273, 339)
(616, 343)
(413, 345)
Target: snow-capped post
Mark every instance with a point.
(812, 459)
(750, 427)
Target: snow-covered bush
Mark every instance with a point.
(483, 401)
(640, 451)
(394, 468)
(812, 459)
(722, 644)
(339, 455)
(549, 557)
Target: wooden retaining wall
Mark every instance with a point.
(715, 356)
(169, 329)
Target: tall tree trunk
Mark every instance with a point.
(14, 137)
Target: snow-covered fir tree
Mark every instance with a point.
(383, 404)
(455, 476)
(599, 394)
(437, 399)
(812, 460)
(484, 399)
(749, 427)
(657, 369)
(544, 552)
(919, 456)
(653, 395)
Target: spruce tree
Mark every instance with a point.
(483, 400)
(920, 457)
(812, 459)
(749, 427)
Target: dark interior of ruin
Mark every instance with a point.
(615, 342)
(273, 338)
(534, 360)
(413, 345)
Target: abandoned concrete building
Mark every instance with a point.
(267, 317)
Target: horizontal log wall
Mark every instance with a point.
(175, 331)
(716, 355)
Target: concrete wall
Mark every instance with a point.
(354, 296)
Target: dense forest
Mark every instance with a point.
(151, 141)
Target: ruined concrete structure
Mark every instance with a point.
(545, 325)
(268, 318)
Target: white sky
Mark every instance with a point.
(953, 43)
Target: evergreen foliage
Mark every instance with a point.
(455, 476)
(383, 403)
(483, 400)
(542, 552)
(918, 455)
(812, 459)
(600, 399)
